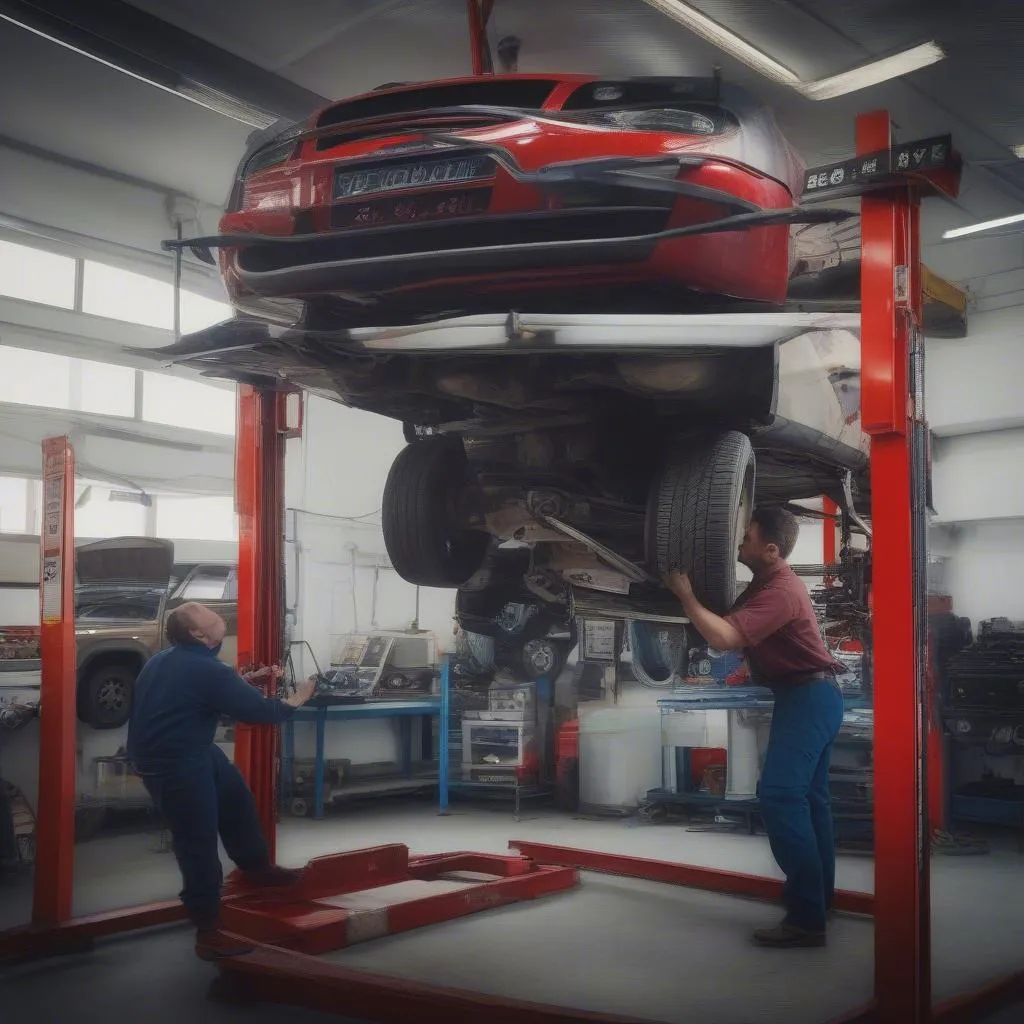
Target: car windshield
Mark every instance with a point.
(118, 602)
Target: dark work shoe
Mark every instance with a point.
(272, 878)
(213, 944)
(789, 936)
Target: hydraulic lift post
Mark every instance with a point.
(259, 502)
(890, 313)
(55, 824)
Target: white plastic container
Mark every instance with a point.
(744, 762)
(620, 757)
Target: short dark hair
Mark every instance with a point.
(178, 629)
(777, 526)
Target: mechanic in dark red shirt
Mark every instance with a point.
(774, 623)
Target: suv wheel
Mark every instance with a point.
(105, 696)
(421, 532)
(698, 510)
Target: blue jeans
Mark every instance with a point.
(201, 799)
(795, 801)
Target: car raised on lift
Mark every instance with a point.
(571, 292)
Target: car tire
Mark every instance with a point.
(105, 696)
(423, 540)
(698, 510)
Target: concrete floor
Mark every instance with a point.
(617, 945)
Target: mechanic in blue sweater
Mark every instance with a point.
(180, 696)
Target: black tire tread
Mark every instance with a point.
(691, 513)
(416, 516)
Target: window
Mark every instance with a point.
(37, 275)
(14, 494)
(210, 583)
(104, 389)
(209, 518)
(123, 295)
(199, 312)
(99, 517)
(35, 378)
(60, 382)
(187, 403)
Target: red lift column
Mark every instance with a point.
(259, 501)
(891, 263)
(55, 826)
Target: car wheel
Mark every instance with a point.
(543, 659)
(424, 542)
(699, 508)
(105, 696)
(659, 653)
(299, 807)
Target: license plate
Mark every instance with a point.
(417, 174)
(410, 209)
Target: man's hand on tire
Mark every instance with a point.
(680, 585)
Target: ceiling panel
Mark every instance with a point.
(71, 105)
(261, 31)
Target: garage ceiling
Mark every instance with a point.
(74, 107)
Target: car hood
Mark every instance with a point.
(125, 561)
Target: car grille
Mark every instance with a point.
(468, 233)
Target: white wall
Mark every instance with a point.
(973, 383)
(986, 570)
(107, 216)
(979, 476)
(334, 483)
(976, 407)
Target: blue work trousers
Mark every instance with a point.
(200, 800)
(794, 795)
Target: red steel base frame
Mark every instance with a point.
(33, 941)
(278, 976)
(315, 917)
(731, 883)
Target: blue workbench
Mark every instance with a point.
(406, 711)
(735, 698)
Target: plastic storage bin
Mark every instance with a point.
(620, 757)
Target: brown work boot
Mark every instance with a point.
(789, 936)
(272, 877)
(213, 944)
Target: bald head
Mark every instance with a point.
(194, 623)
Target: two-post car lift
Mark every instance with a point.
(361, 895)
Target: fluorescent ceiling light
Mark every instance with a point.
(177, 85)
(985, 225)
(824, 89)
(878, 71)
(732, 44)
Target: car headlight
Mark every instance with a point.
(268, 148)
(650, 119)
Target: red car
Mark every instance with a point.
(567, 192)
